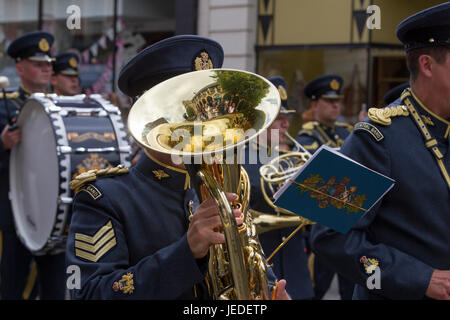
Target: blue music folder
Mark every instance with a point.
(333, 190)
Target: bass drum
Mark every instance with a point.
(61, 138)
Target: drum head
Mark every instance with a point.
(34, 177)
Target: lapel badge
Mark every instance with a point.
(369, 264)
(43, 45)
(160, 174)
(202, 61)
(126, 284)
(427, 120)
(334, 85)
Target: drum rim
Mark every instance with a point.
(34, 99)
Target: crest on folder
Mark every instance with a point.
(339, 194)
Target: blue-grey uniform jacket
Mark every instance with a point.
(314, 134)
(15, 101)
(406, 235)
(128, 236)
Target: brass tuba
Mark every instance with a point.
(202, 119)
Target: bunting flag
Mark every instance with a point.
(266, 21)
(110, 34)
(102, 42)
(360, 17)
(94, 49)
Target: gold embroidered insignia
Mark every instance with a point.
(92, 175)
(202, 61)
(126, 284)
(334, 85)
(282, 92)
(370, 128)
(43, 45)
(73, 62)
(383, 116)
(91, 163)
(92, 248)
(160, 174)
(93, 191)
(105, 137)
(369, 264)
(427, 120)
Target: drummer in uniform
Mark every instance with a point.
(138, 233)
(291, 261)
(65, 79)
(31, 52)
(325, 95)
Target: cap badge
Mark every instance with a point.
(202, 61)
(73, 62)
(334, 85)
(282, 92)
(43, 45)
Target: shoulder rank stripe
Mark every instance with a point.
(95, 237)
(94, 247)
(98, 255)
(370, 128)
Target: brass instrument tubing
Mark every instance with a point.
(285, 241)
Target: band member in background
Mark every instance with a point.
(403, 243)
(31, 53)
(325, 95)
(65, 79)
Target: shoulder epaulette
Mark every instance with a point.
(348, 126)
(91, 175)
(10, 95)
(383, 116)
(310, 125)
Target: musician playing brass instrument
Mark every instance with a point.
(140, 234)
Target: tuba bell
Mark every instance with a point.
(202, 119)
